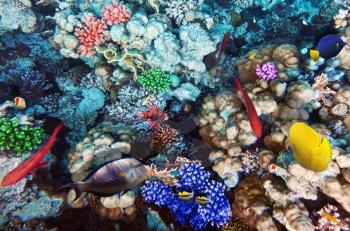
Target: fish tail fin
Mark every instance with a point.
(74, 186)
(314, 54)
(237, 83)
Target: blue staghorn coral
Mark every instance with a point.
(193, 178)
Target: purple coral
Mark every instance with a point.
(267, 71)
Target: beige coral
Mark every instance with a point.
(113, 210)
(225, 123)
(285, 56)
(250, 204)
(226, 167)
(344, 55)
(100, 146)
(295, 217)
(287, 113)
(299, 93)
(339, 191)
(343, 95)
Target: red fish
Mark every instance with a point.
(253, 117)
(33, 162)
(223, 46)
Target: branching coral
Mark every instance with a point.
(267, 71)
(320, 85)
(155, 80)
(90, 35)
(115, 14)
(250, 161)
(163, 136)
(330, 219)
(17, 137)
(15, 14)
(193, 178)
(179, 10)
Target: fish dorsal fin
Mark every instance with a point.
(326, 150)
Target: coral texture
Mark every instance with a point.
(90, 34)
(115, 14)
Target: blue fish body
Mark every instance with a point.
(330, 46)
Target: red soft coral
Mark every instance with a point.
(90, 35)
(115, 14)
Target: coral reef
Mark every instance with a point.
(152, 80)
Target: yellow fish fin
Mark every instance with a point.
(324, 155)
(302, 140)
(251, 57)
(337, 46)
(314, 55)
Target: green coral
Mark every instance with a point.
(17, 137)
(155, 80)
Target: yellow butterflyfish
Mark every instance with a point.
(308, 149)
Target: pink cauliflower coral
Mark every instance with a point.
(115, 14)
(90, 35)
